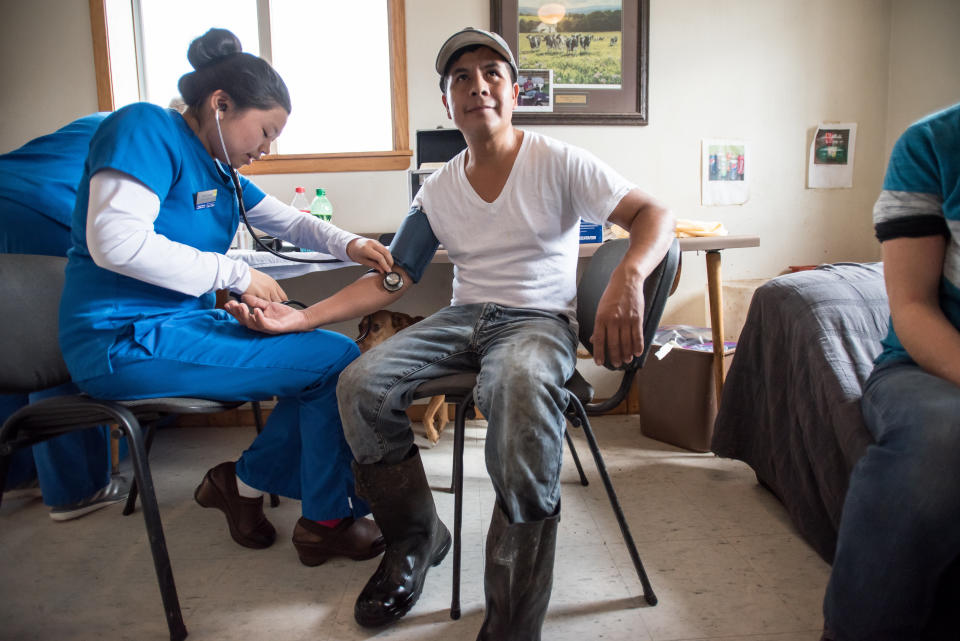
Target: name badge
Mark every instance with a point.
(205, 199)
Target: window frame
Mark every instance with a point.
(394, 159)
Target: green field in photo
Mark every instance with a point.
(600, 64)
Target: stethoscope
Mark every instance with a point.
(392, 281)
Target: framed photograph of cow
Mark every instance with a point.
(595, 50)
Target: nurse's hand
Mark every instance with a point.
(266, 316)
(262, 286)
(371, 253)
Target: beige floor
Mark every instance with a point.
(722, 556)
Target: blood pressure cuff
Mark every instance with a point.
(414, 244)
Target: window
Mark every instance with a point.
(343, 62)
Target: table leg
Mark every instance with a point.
(715, 299)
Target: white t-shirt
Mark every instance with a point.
(521, 250)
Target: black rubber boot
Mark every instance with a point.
(518, 577)
(403, 507)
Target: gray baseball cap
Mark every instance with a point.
(470, 36)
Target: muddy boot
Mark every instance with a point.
(518, 577)
(403, 507)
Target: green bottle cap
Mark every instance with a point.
(321, 191)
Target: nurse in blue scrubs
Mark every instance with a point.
(38, 187)
(156, 212)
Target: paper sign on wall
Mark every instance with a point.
(831, 156)
(725, 171)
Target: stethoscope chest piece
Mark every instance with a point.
(392, 281)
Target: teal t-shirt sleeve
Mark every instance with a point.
(252, 195)
(914, 166)
(142, 141)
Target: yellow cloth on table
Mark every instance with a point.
(690, 228)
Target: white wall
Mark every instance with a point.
(764, 71)
(924, 61)
(47, 77)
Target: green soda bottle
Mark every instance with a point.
(321, 207)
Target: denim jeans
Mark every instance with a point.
(523, 357)
(900, 528)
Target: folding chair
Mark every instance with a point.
(459, 389)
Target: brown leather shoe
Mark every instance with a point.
(248, 524)
(357, 539)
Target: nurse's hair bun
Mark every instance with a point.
(220, 63)
(211, 47)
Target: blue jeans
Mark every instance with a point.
(301, 452)
(523, 357)
(900, 528)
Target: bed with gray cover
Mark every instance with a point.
(791, 401)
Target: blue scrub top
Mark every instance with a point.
(43, 174)
(198, 207)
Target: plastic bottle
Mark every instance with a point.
(300, 200)
(321, 206)
(242, 239)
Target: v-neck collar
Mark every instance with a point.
(218, 167)
(507, 186)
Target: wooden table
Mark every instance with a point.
(712, 246)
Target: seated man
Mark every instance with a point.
(508, 210)
(38, 187)
(895, 573)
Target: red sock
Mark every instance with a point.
(330, 523)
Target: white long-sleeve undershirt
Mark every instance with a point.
(120, 237)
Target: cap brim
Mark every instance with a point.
(462, 39)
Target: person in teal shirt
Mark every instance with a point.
(896, 572)
(156, 212)
(38, 188)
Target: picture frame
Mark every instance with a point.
(597, 51)
(536, 90)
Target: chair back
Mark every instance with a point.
(30, 288)
(656, 288)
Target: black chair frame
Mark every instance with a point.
(459, 389)
(30, 286)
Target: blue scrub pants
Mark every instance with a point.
(73, 466)
(301, 453)
(900, 529)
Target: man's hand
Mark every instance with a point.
(262, 286)
(618, 330)
(371, 253)
(268, 317)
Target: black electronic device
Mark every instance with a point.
(434, 146)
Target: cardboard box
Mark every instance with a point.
(678, 399)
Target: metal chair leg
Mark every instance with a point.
(131, 505)
(151, 516)
(576, 459)
(581, 416)
(258, 421)
(4, 470)
(459, 437)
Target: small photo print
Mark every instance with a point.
(831, 147)
(536, 90)
(726, 162)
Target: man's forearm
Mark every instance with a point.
(360, 298)
(651, 232)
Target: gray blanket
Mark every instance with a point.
(791, 401)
